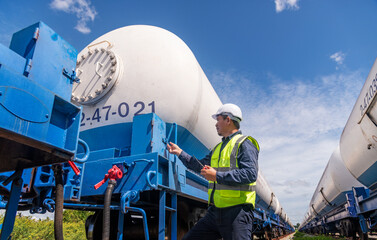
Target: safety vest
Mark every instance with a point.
(225, 195)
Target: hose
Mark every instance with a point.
(59, 200)
(106, 211)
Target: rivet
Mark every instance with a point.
(113, 62)
(112, 56)
(46, 116)
(82, 99)
(90, 52)
(96, 50)
(82, 57)
(104, 85)
(103, 50)
(109, 79)
(90, 96)
(112, 69)
(98, 91)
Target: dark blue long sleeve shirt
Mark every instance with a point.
(247, 160)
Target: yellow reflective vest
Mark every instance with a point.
(225, 195)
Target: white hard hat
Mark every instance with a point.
(231, 110)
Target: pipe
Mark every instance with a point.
(59, 201)
(106, 210)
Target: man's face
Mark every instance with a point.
(222, 125)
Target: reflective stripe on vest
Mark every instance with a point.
(225, 195)
(250, 188)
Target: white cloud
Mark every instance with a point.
(338, 58)
(297, 124)
(81, 8)
(281, 5)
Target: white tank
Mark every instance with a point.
(159, 71)
(359, 138)
(266, 198)
(336, 180)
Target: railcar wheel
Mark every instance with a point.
(362, 236)
(267, 234)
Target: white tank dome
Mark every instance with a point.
(142, 69)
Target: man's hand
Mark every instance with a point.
(174, 149)
(209, 173)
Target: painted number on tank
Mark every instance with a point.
(369, 95)
(123, 113)
(122, 110)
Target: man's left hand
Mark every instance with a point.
(209, 173)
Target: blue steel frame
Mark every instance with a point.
(148, 167)
(361, 206)
(36, 113)
(38, 125)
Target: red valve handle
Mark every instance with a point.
(74, 167)
(114, 173)
(101, 183)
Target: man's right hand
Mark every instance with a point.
(174, 149)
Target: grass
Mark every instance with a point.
(32, 229)
(304, 236)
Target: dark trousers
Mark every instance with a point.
(232, 223)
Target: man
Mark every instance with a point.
(232, 170)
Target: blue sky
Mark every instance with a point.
(295, 67)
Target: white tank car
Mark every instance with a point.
(142, 69)
(284, 215)
(336, 180)
(308, 216)
(359, 138)
(266, 198)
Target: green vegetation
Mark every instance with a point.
(304, 236)
(28, 228)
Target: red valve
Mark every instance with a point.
(74, 167)
(114, 173)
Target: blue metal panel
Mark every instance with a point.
(23, 41)
(190, 143)
(135, 177)
(112, 136)
(37, 118)
(369, 176)
(147, 132)
(11, 59)
(64, 125)
(50, 54)
(24, 115)
(368, 204)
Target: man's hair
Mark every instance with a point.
(236, 124)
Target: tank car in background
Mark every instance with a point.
(345, 200)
